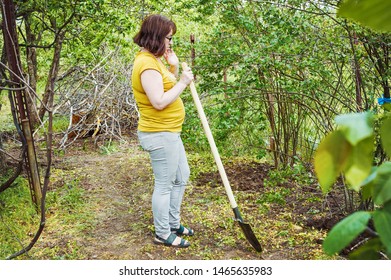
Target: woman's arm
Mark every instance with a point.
(152, 83)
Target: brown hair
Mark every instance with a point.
(153, 32)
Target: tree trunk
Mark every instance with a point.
(2, 158)
(271, 116)
(386, 90)
(357, 73)
(273, 139)
(18, 94)
(32, 72)
(53, 73)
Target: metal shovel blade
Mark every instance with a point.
(247, 230)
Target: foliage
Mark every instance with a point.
(264, 69)
(6, 123)
(89, 24)
(278, 70)
(373, 13)
(345, 232)
(349, 150)
(276, 65)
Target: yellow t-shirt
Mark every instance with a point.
(151, 120)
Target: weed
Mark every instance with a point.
(275, 196)
(202, 162)
(67, 212)
(109, 148)
(60, 123)
(72, 197)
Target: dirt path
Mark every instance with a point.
(118, 187)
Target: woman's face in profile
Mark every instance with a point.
(168, 40)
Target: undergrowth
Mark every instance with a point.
(66, 212)
(74, 201)
(18, 217)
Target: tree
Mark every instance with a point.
(46, 25)
(295, 63)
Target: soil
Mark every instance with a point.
(289, 220)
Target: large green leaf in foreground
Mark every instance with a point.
(374, 14)
(330, 158)
(382, 221)
(360, 162)
(382, 184)
(342, 234)
(356, 126)
(368, 251)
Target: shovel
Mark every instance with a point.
(246, 228)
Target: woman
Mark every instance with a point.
(162, 113)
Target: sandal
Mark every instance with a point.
(170, 240)
(181, 231)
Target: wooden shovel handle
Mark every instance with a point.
(211, 141)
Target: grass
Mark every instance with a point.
(18, 218)
(77, 196)
(109, 147)
(67, 213)
(66, 208)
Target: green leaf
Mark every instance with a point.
(360, 163)
(386, 107)
(382, 222)
(369, 251)
(385, 135)
(367, 184)
(382, 184)
(356, 126)
(375, 14)
(343, 233)
(330, 159)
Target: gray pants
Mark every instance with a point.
(171, 172)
